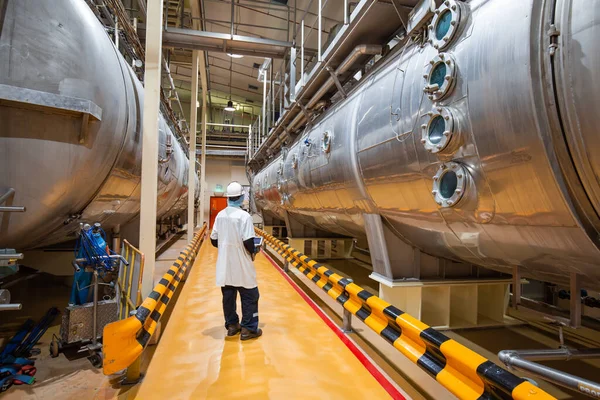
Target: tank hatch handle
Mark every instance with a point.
(18, 97)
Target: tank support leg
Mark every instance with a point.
(575, 301)
(516, 287)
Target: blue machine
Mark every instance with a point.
(91, 254)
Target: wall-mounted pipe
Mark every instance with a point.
(524, 360)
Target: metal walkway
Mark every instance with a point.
(300, 355)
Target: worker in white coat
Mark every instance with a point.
(233, 235)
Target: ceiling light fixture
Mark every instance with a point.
(235, 55)
(230, 106)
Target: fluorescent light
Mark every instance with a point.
(230, 106)
(235, 55)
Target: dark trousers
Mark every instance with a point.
(249, 307)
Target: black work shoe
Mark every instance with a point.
(248, 334)
(233, 330)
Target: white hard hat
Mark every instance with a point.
(234, 189)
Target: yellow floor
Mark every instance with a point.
(298, 356)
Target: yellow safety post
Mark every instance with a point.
(125, 340)
(133, 373)
(463, 372)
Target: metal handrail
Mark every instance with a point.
(8, 195)
(125, 281)
(125, 340)
(525, 360)
(466, 374)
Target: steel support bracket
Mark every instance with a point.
(336, 81)
(18, 97)
(304, 110)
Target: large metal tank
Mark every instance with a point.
(71, 127)
(480, 146)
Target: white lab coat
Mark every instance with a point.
(234, 265)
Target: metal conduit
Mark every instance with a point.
(524, 360)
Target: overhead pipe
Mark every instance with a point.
(360, 50)
(524, 360)
(349, 61)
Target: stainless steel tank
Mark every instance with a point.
(479, 146)
(70, 127)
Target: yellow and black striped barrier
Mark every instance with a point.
(124, 341)
(463, 372)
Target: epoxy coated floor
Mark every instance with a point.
(298, 356)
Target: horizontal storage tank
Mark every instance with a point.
(479, 146)
(71, 127)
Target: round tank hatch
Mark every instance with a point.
(445, 24)
(439, 130)
(440, 76)
(450, 184)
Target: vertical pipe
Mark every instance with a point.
(287, 35)
(302, 57)
(293, 74)
(258, 137)
(251, 143)
(203, 166)
(95, 316)
(575, 301)
(345, 12)
(203, 156)
(264, 111)
(149, 182)
(232, 16)
(192, 149)
(319, 49)
(117, 34)
(272, 93)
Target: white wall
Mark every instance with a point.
(222, 172)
